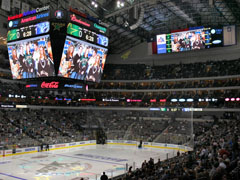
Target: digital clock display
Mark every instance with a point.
(27, 34)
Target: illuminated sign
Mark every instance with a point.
(59, 14)
(102, 29)
(38, 10)
(50, 85)
(110, 100)
(134, 100)
(102, 40)
(58, 99)
(87, 100)
(168, 43)
(15, 17)
(33, 18)
(161, 44)
(57, 26)
(75, 86)
(7, 106)
(31, 85)
(163, 100)
(80, 21)
(154, 109)
(13, 24)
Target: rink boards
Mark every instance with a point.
(20, 151)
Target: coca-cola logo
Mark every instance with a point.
(51, 85)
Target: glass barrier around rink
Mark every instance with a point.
(160, 127)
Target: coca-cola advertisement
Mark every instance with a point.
(50, 85)
(56, 85)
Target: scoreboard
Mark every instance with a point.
(28, 31)
(37, 44)
(87, 35)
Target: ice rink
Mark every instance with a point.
(72, 164)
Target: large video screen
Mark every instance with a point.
(31, 58)
(81, 60)
(188, 40)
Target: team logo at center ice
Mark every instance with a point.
(43, 167)
(57, 168)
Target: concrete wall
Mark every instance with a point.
(139, 54)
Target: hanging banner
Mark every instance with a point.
(6, 5)
(16, 4)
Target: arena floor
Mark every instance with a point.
(72, 164)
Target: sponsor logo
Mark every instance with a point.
(60, 145)
(80, 21)
(38, 10)
(29, 149)
(102, 29)
(39, 16)
(75, 86)
(58, 26)
(31, 85)
(59, 14)
(51, 85)
(7, 106)
(13, 23)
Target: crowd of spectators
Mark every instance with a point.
(183, 84)
(33, 127)
(215, 157)
(191, 70)
(28, 127)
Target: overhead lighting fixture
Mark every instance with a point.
(120, 4)
(94, 3)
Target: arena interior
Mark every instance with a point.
(120, 89)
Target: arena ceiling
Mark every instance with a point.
(139, 20)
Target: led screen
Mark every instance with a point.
(87, 35)
(82, 60)
(161, 44)
(216, 37)
(188, 40)
(28, 31)
(31, 58)
(102, 40)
